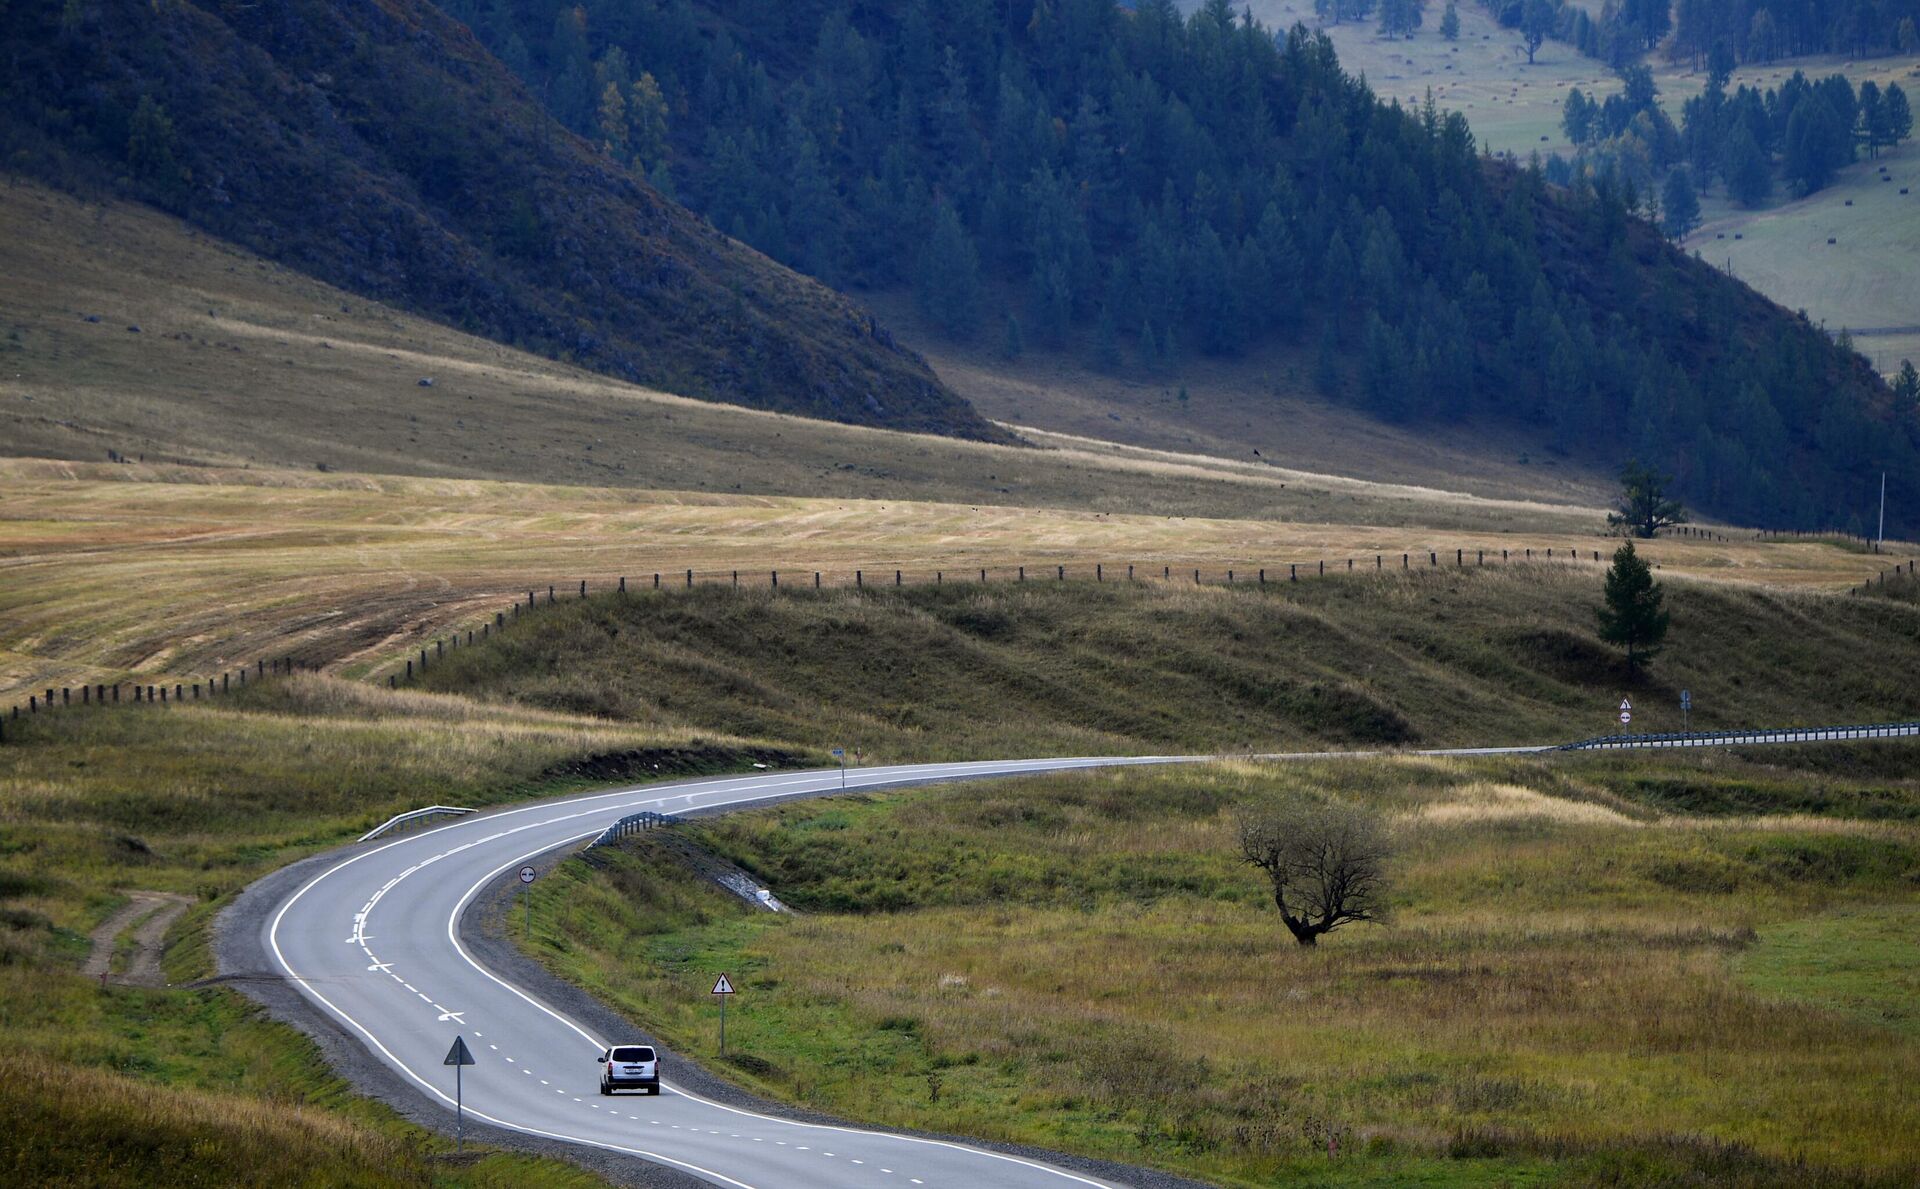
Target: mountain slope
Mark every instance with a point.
(1153, 188)
(376, 145)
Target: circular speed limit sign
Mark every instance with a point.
(526, 875)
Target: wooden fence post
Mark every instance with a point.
(896, 578)
(583, 588)
(776, 578)
(859, 579)
(1061, 574)
(689, 579)
(816, 580)
(1293, 571)
(623, 584)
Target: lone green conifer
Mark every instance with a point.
(1633, 616)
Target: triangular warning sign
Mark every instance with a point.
(723, 987)
(1626, 704)
(459, 1054)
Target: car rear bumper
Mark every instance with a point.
(633, 1083)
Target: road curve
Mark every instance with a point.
(372, 940)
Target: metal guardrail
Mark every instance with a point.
(1888, 730)
(411, 816)
(633, 823)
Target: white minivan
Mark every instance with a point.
(630, 1067)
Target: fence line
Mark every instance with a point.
(108, 694)
(417, 661)
(1880, 580)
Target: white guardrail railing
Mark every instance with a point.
(412, 816)
(1885, 730)
(633, 823)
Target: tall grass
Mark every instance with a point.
(962, 670)
(1078, 961)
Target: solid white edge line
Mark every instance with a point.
(453, 936)
(869, 779)
(882, 777)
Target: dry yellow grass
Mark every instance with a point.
(239, 362)
(107, 572)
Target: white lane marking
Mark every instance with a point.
(766, 786)
(597, 1045)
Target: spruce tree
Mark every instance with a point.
(1011, 346)
(1450, 22)
(1633, 616)
(1679, 205)
(949, 283)
(1906, 388)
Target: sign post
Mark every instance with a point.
(840, 753)
(1626, 711)
(1686, 711)
(723, 988)
(458, 1056)
(526, 893)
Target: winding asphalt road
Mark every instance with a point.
(373, 941)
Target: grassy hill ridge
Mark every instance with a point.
(1463, 657)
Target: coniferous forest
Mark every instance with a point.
(1149, 188)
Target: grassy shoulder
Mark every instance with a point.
(1575, 986)
(197, 1086)
(1447, 656)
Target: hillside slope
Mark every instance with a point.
(376, 145)
(1154, 188)
(1441, 658)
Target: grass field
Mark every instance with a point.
(124, 1085)
(113, 571)
(1578, 984)
(1460, 658)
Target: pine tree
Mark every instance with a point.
(949, 282)
(1399, 18)
(1749, 176)
(1106, 341)
(1818, 143)
(1906, 388)
(1679, 205)
(1633, 615)
(613, 123)
(1450, 22)
(1326, 362)
(1536, 21)
(1899, 114)
(1010, 343)
(1645, 507)
(647, 122)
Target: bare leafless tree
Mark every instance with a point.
(1327, 861)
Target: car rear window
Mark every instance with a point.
(633, 1053)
